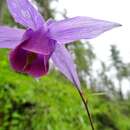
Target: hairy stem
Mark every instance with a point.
(86, 107)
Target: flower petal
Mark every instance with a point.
(65, 64)
(27, 62)
(18, 58)
(10, 37)
(38, 42)
(25, 14)
(77, 28)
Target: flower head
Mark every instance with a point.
(31, 56)
(32, 48)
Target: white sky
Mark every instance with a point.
(111, 10)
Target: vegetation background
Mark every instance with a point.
(52, 103)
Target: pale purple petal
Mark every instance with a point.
(77, 28)
(65, 64)
(25, 14)
(50, 21)
(38, 42)
(10, 37)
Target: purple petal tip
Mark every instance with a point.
(118, 25)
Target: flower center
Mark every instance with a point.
(30, 58)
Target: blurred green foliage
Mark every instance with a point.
(53, 104)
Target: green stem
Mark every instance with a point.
(87, 109)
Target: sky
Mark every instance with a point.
(111, 10)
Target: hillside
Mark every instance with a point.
(52, 103)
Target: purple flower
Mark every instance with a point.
(32, 48)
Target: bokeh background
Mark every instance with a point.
(52, 102)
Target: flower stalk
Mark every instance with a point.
(85, 102)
